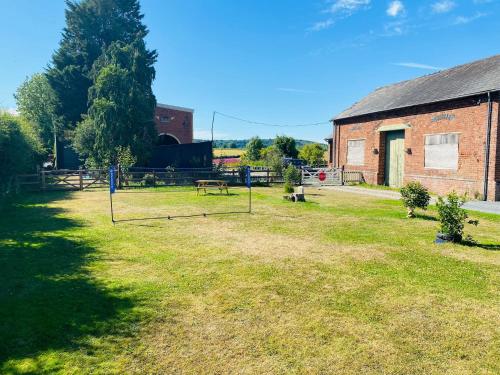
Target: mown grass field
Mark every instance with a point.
(341, 284)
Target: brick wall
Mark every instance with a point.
(175, 122)
(468, 118)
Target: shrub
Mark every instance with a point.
(273, 158)
(288, 187)
(452, 216)
(20, 150)
(148, 179)
(415, 195)
(218, 168)
(292, 175)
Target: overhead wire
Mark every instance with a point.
(269, 124)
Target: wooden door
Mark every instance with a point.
(394, 158)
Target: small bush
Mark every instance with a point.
(148, 179)
(415, 195)
(219, 168)
(452, 216)
(288, 187)
(292, 175)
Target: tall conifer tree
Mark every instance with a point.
(102, 75)
(121, 108)
(91, 27)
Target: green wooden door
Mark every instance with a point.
(394, 158)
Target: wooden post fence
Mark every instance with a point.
(80, 178)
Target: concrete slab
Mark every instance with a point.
(482, 206)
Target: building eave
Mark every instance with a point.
(336, 119)
(174, 107)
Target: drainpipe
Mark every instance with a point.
(487, 149)
(333, 150)
(337, 146)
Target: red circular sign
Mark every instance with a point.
(322, 176)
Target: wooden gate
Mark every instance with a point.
(322, 176)
(74, 179)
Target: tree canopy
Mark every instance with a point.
(253, 148)
(286, 146)
(35, 102)
(121, 105)
(313, 154)
(101, 77)
(20, 149)
(91, 27)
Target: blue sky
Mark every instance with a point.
(280, 62)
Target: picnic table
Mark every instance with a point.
(207, 184)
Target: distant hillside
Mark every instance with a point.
(241, 143)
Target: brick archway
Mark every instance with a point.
(165, 139)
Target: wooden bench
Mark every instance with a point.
(211, 184)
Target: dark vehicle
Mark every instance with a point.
(299, 163)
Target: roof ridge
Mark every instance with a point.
(462, 80)
(456, 67)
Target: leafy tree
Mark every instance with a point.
(121, 106)
(20, 150)
(253, 148)
(35, 102)
(313, 154)
(286, 146)
(273, 158)
(91, 27)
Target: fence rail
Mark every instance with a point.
(330, 176)
(352, 177)
(28, 181)
(83, 179)
(137, 177)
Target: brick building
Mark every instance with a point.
(441, 129)
(174, 124)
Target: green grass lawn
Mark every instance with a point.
(342, 284)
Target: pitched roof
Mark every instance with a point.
(461, 81)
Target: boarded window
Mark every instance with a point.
(166, 119)
(356, 152)
(441, 151)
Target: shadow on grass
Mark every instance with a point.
(48, 300)
(425, 217)
(219, 195)
(490, 247)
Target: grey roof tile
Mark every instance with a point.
(461, 81)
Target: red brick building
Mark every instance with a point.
(174, 124)
(441, 129)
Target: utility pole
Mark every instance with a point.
(212, 130)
